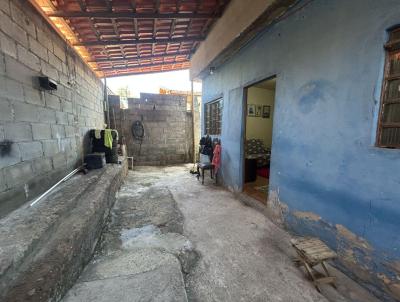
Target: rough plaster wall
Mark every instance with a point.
(47, 129)
(226, 30)
(168, 129)
(325, 170)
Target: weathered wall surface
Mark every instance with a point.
(167, 125)
(326, 173)
(47, 129)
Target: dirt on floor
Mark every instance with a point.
(172, 239)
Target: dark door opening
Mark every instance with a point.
(260, 103)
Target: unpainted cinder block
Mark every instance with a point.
(5, 6)
(13, 30)
(38, 49)
(28, 58)
(41, 131)
(30, 150)
(18, 132)
(66, 106)
(8, 45)
(69, 131)
(47, 115)
(21, 19)
(50, 147)
(49, 71)
(2, 64)
(6, 113)
(24, 112)
(33, 96)
(65, 144)
(1, 132)
(18, 174)
(52, 101)
(19, 72)
(43, 37)
(59, 51)
(3, 185)
(62, 118)
(55, 61)
(12, 90)
(57, 131)
(59, 160)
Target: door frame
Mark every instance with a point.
(244, 119)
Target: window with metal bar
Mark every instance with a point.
(213, 117)
(389, 116)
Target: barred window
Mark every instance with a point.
(213, 117)
(389, 117)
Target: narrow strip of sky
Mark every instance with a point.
(151, 83)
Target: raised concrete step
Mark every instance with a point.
(44, 248)
(140, 275)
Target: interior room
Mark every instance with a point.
(260, 100)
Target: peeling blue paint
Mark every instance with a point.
(328, 58)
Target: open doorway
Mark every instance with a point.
(260, 103)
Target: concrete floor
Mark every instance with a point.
(226, 251)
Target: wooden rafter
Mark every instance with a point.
(166, 55)
(138, 41)
(114, 15)
(114, 34)
(140, 65)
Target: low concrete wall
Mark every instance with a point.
(44, 248)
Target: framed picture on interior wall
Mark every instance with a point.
(251, 110)
(266, 112)
(258, 110)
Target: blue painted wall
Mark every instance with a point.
(328, 58)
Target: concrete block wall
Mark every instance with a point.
(47, 130)
(167, 125)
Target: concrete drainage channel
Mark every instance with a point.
(143, 255)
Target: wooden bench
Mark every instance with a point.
(311, 252)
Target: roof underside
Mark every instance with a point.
(121, 37)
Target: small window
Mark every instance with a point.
(213, 117)
(389, 117)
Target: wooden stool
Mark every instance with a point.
(203, 167)
(311, 252)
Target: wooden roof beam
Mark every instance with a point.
(108, 14)
(182, 53)
(134, 42)
(141, 66)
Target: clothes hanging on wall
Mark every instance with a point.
(108, 139)
(216, 161)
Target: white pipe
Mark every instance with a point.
(52, 188)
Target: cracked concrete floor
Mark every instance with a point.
(226, 251)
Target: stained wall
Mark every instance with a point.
(328, 179)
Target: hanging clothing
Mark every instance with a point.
(216, 161)
(108, 139)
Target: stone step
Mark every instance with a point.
(141, 274)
